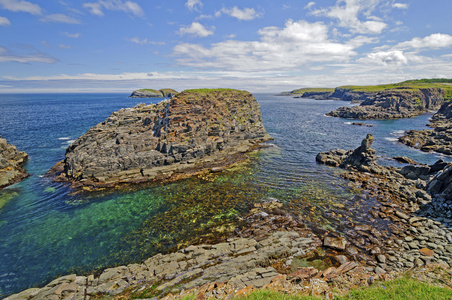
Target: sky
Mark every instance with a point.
(60, 46)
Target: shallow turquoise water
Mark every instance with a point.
(46, 232)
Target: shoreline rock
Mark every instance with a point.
(438, 139)
(11, 164)
(151, 93)
(194, 132)
(393, 104)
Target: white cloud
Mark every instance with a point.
(7, 56)
(245, 14)
(196, 29)
(394, 57)
(96, 8)
(59, 18)
(309, 5)
(72, 35)
(347, 12)
(400, 5)
(297, 44)
(193, 4)
(21, 6)
(142, 42)
(63, 46)
(4, 21)
(433, 41)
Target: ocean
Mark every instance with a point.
(47, 231)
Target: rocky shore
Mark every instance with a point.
(393, 104)
(151, 93)
(438, 139)
(409, 229)
(11, 164)
(196, 131)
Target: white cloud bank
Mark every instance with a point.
(8, 56)
(59, 18)
(193, 4)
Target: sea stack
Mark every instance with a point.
(11, 164)
(195, 131)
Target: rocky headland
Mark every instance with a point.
(393, 104)
(151, 93)
(438, 139)
(11, 164)
(196, 131)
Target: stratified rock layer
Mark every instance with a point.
(11, 162)
(438, 139)
(393, 104)
(197, 130)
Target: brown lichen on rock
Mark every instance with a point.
(195, 131)
(11, 164)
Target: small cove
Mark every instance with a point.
(47, 232)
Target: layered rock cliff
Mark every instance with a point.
(438, 139)
(194, 131)
(393, 104)
(11, 164)
(151, 93)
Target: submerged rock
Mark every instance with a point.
(195, 131)
(11, 164)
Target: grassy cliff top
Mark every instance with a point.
(312, 90)
(208, 91)
(408, 85)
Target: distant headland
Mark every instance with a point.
(151, 93)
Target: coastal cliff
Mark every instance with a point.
(11, 164)
(438, 139)
(393, 104)
(151, 93)
(195, 131)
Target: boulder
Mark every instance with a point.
(11, 164)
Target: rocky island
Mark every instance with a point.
(11, 164)
(196, 131)
(151, 93)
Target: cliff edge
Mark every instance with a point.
(11, 162)
(195, 131)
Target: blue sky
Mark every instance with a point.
(260, 46)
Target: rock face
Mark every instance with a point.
(11, 162)
(151, 93)
(362, 158)
(438, 139)
(194, 131)
(393, 104)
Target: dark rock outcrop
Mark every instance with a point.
(438, 139)
(361, 159)
(393, 104)
(11, 164)
(195, 131)
(151, 93)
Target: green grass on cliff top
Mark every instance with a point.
(207, 91)
(312, 90)
(150, 90)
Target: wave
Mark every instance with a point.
(391, 139)
(64, 138)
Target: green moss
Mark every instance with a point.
(149, 90)
(208, 91)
